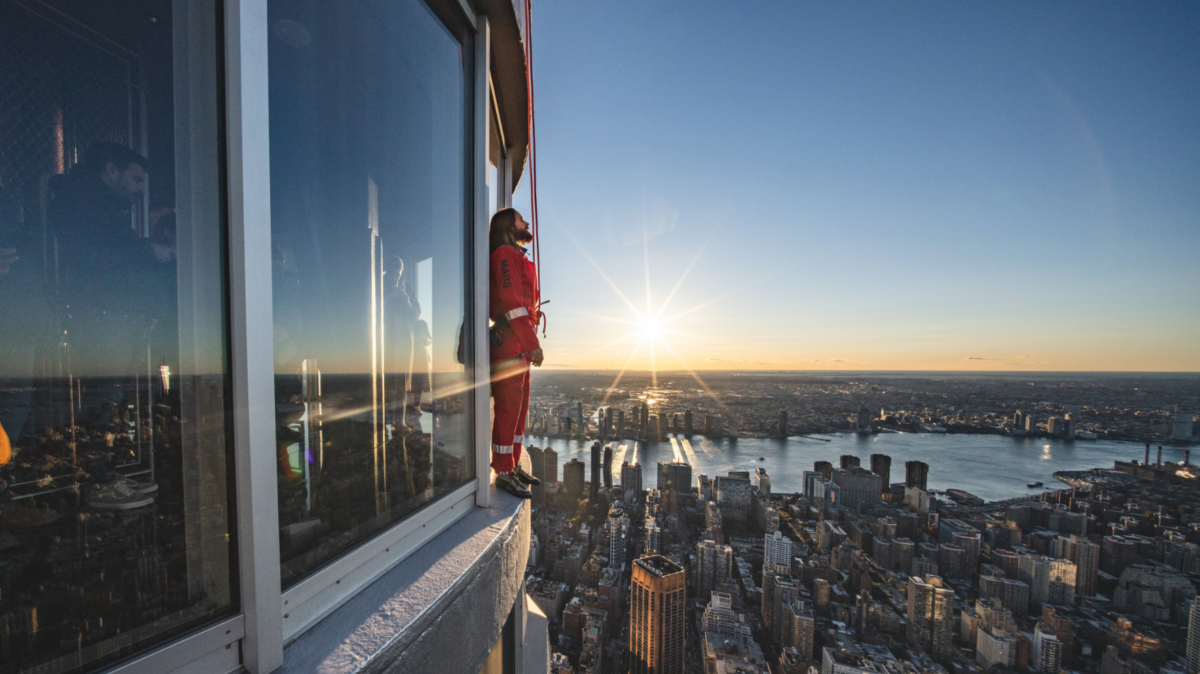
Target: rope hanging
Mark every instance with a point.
(533, 199)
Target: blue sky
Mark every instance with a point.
(926, 185)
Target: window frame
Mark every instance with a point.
(269, 618)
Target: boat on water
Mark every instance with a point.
(1032, 485)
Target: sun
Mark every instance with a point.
(651, 329)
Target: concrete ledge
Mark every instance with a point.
(439, 610)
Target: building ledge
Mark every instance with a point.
(441, 609)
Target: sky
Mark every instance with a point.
(869, 186)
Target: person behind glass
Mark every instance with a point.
(114, 286)
(514, 345)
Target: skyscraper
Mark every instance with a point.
(674, 476)
(550, 465)
(631, 481)
(783, 423)
(606, 468)
(799, 627)
(858, 486)
(714, 564)
(824, 468)
(764, 481)
(1047, 650)
(881, 465)
(536, 459)
(657, 600)
(849, 460)
(1051, 581)
(916, 474)
(777, 550)
(597, 453)
(931, 616)
(573, 477)
(1086, 556)
(687, 422)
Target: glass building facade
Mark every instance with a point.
(239, 244)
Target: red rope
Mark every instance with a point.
(533, 223)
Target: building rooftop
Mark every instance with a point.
(659, 565)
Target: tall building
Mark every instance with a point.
(824, 468)
(631, 481)
(1051, 581)
(652, 536)
(597, 460)
(1013, 594)
(606, 466)
(799, 627)
(657, 600)
(618, 535)
(783, 423)
(573, 478)
(1086, 556)
(1193, 639)
(687, 422)
(764, 481)
(847, 461)
(916, 475)
(714, 564)
(674, 476)
(858, 486)
(969, 540)
(732, 494)
(931, 616)
(995, 647)
(1047, 650)
(550, 465)
(881, 465)
(777, 550)
(536, 460)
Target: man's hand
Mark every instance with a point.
(536, 357)
(9, 255)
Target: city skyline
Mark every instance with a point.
(965, 187)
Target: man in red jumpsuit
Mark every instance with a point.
(514, 308)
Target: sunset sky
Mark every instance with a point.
(979, 186)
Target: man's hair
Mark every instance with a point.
(104, 152)
(503, 229)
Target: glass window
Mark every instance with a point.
(114, 395)
(369, 105)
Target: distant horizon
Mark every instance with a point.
(629, 372)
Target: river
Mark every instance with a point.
(993, 467)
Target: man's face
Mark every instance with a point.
(128, 184)
(522, 227)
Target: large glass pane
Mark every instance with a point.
(369, 184)
(114, 452)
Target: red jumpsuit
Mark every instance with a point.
(513, 306)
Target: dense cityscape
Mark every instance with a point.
(867, 569)
(1120, 407)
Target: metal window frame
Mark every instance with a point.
(269, 617)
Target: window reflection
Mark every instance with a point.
(368, 186)
(114, 462)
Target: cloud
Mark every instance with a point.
(978, 358)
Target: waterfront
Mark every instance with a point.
(992, 467)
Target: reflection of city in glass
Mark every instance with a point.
(368, 186)
(114, 519)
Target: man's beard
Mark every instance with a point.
(522, 237)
